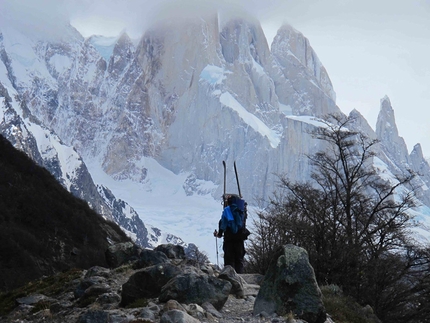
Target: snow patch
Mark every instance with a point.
(214, 75)
(229, 101)
(286, 109)
(104, 45)
(61, 63)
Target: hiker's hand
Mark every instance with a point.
(216, 233)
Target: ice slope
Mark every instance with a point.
(162, 202)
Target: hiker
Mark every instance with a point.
(234, 245)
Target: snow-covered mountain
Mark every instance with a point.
(151, 121)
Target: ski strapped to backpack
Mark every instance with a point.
(235, 208)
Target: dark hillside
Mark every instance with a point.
(43, 228)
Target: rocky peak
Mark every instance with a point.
(387, 133)
(419, 163)
(244, 41)
(122, 54)
(361, 124)
(290, 43)
(386, 124)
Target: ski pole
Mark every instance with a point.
(237, 179)
(216, 245)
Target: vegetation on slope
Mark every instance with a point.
(43, 228)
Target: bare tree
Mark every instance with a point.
(351, 221)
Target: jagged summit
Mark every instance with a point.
(289, 41)
(387, 133)
(386, 99)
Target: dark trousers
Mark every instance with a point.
(234, 251)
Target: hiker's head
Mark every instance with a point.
(230, 200)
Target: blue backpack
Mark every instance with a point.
(235, 218)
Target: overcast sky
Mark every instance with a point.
(370, 48)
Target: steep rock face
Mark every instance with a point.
(387, 133)
(422, 168)
(308, 90)
(153, 100)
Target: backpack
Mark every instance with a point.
(236, 221)
(236, 216)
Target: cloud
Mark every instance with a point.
(42, 18)
(369, 48)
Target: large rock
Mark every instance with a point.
(147, 283)
(228, 273)
(149, 258)
(195, 288)
(176, 316)
(171, 251)
(290, 286)
(121, 253)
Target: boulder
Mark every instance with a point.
(147, 314)
(228, 273)
(176, 316)
(94, 316)
(195, 288)
(93, 292)
(98, 271)
(209, 308)
(108, 299)
(171, 251)
(173, 305)
(195, 311)
(149, 258)
(121, 253)
(147, 282)
(86, 283)
(290, 286)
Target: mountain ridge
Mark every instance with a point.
(186, 97)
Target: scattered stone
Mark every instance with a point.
(94, 316)
(154, 308)
(147, 314)
(34, 299)
(195, 311)
(209, 308)
(96, 290)
(290, 286)
(95, 298)
(207, 270)
(58, 307)
(86, 283)
(98, 271)
(173, 305)
(108, 299)
(176, 316)
(210, 317)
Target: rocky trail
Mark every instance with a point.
(152, 289)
